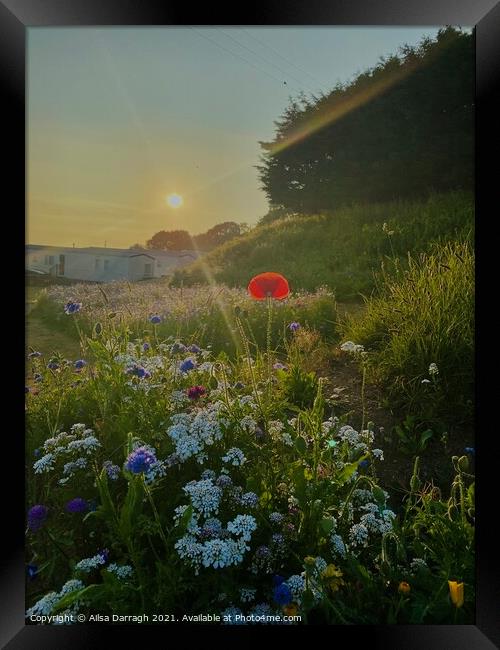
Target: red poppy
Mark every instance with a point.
(268, 285)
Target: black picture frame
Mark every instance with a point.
(18, 15)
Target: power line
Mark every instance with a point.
(266, 61)
(211, 40)
(290, 63)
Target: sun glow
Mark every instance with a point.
(175, 200)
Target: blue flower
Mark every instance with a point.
(80, 364)
(32, 571)
(363, 464)
(178, 347)
(155, 319)
(194, 348)
(278, 580)
(293, 327)
(187, 365)
(282, 595)
(113, 471)
(140, 460)
(37, 516)
(104, 554)
(145, 346)
(52, 365)
(138, 371)
(77, 505)
(470, 450)
(72, 307)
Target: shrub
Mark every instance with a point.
(424, 315)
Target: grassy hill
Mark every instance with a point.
(340, 249)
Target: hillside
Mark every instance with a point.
(340, 249)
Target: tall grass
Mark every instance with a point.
(339, 249)
(424, 315)
(203, 315)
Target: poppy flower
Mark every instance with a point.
(404, 588)
(268, 285)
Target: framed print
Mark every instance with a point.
(250, 346)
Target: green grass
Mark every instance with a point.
(339, 249)
(424, 315)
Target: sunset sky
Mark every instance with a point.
(119, 119)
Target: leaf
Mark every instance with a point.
(265, 498)
(74, 596)
(308, 475)
(426, 435)
(300, 445)
(185, 519)
(349, 470)
(327, 525)
(379, 495)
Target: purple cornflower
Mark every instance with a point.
(145, 347)
(187, 365)
(139, 371)
(72, 307)
(37, 516)
(293, 327)
(77, 505)
(81, 363)
(155, 319)
(52, 365)
(279, 366)
(140, 460)
(196, 391)
(113, 471)
(178, 347)
(282, 595)
(263, 551)
(194, 348)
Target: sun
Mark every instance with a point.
(175, 200)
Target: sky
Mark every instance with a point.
(120, 118)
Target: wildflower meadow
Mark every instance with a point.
(191, 462)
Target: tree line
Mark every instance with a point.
(403, 129)
(177, 240)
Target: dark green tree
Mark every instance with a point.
(404, 128)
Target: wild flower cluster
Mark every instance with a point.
(205, 490)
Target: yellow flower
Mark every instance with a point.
(290, 610)
(333, 577)
(456, 592)
(404, 588)
(332, 571)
